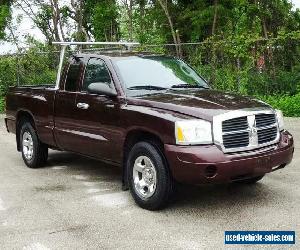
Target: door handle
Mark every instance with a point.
(81, 105)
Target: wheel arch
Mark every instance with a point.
(134, 136)
(21, 117)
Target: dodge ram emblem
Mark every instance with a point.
(253, 131)
(253, 136)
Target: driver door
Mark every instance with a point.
(98, 116)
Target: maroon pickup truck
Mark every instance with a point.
(156, 118)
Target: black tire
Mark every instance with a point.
(251, 180)
(40, 150)
(164, 181)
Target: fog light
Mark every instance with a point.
(211, 171)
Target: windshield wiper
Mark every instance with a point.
(146, 87)
(188, 86)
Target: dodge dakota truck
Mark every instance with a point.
(155, 117)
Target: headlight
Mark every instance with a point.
(279, 116)
(190, 132)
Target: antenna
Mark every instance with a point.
(64, 45)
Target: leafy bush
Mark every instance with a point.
(290, 105)
(281, 89)
(33, 68)
(8, 73)
(36, 68)
(283, 82)
(251, 82)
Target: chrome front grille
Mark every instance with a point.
(263, 120)
(267, 135)
(235, 124)
(246, 130)
(235, 132)
(236, 140)
(267, 127)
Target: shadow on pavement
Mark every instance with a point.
(205, 198)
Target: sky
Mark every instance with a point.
(27, 27)
(296, 3)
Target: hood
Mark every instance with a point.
(202, 104)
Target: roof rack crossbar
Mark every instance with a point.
(97, 43)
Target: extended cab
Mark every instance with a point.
(156, 118)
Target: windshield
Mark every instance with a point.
(157, 73)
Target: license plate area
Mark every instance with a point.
(263, 162)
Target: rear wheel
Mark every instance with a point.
(150, 182)
(34, 152)
(251, 180)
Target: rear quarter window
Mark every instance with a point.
(72, 77)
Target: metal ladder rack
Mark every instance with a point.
(64, 45)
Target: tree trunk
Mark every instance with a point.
(55, 19)
(78, 6)
(164, 6)
(269, 49)
(179, 44)
(213, 29)
(130, 16)
(128, 4)
(142, 4)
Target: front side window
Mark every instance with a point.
(96, 72)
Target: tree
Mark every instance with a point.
(4, 16)
(46, 15)
(175, 33)
(128, 5)
(103, 19)
(77, 12)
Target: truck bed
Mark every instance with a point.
(38, 100)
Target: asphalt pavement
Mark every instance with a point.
(77, 203)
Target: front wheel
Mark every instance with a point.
(149, 179)
(34, 152)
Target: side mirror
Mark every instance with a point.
(101, 88)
